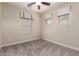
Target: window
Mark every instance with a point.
(48, 21)
(27, 19)
(48, 18)
(63, 18)
(63, 14)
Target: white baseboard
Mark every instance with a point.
(47, 39)
(13, 43)
(61, 44)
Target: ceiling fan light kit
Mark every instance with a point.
(39, 4)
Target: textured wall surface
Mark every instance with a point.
(12, 30)
(66, 34)
(0, 24)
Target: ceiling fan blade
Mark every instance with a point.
(31, 4)
(38, 6)
(45, 3)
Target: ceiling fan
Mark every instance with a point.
(38, 5)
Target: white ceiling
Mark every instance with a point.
(33, 7)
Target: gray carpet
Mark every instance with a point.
(37, 48)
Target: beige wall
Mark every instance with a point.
(12, 26)
(60, 33)
(0, 24)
